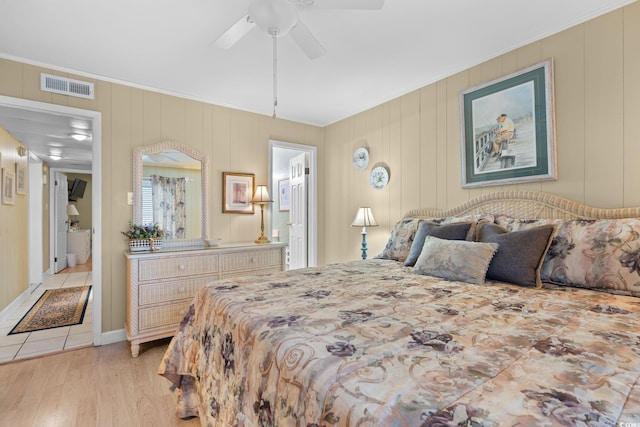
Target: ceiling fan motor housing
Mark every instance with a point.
(276, 17)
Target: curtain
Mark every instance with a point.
(168, 196)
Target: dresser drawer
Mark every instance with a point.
(251, 260)
(164, 315)
(159, 292)
(153, 269)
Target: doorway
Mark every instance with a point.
(280, 153)
(94, 117)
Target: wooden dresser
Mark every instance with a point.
(161, 285)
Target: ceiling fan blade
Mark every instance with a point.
(235, 33)
(307, 42)
(340, 4)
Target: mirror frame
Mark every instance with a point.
(138, 152)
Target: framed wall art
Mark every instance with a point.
(507, 129)
(283, 195)
(8, 186)
(21, 179)
(237, 190)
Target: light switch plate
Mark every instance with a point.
(130, 198)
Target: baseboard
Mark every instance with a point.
(11, 308)
(111, 337)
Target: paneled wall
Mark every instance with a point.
(597, 99)
(14, 274)
(597, 94)
(235, 141)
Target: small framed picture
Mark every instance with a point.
(237, 190)
(283, 195)
(21, 179)
(8, 186)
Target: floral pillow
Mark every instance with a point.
(591, 253)
(457, 260)
(399, 243)
(401, 239)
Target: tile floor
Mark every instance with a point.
(26, 345)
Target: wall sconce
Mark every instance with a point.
(261, 197)
(364, 218)
(22, 151)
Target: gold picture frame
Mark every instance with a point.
(237, 191)
(8, 186)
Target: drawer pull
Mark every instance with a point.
(181, 267)
(182, 289)
(252, 260)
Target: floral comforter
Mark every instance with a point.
(369, 343)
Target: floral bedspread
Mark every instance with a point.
(369, 343)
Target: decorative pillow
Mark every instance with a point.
(520, 253)
(601, 254)
(455, 231)
(458, 260)
(399, 243)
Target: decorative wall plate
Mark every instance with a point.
(379, 177)
(361, 158)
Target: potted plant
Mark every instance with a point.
(144, 237)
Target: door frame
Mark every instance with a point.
(53, 220)
(96, 187)
(312, 196)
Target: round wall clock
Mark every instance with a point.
(379, 177)
(361, 158)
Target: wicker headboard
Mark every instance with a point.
(526, 204)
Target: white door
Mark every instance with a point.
(61, 199)
(298, 212)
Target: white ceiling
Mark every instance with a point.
(372, 56)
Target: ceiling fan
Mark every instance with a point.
(279, 18)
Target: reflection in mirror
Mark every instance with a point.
(169, 190)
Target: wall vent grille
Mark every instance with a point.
(65, 86)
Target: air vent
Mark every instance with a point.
(65, 86)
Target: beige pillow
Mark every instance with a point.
(457, 260)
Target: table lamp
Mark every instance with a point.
(261, 197)
(364, 218)
(72, 211)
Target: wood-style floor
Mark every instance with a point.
(96, 386)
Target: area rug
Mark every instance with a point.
(54, 309)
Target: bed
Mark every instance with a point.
(381, 343)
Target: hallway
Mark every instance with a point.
(33, 344)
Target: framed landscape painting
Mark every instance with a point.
(507, 129)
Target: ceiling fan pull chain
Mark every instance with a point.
(275, 71)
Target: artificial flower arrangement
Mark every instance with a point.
(144, 231)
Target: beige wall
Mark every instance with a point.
(597, 92)
(14, 273)
(234, 141)
(597, 65)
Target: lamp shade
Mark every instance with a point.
(261, 195)
(364, 218)
(72, 210)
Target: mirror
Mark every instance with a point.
(170, 188)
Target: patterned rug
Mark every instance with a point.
(54, 309)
